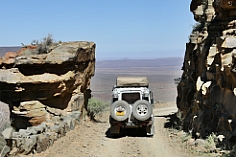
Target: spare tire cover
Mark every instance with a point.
(120, 110)
(142, 110)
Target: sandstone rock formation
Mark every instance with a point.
(207, 90)
(46, 87)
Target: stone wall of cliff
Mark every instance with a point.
(43, 89)
(207, 90)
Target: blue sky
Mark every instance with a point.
(131, 29)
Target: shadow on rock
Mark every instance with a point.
(173, 121)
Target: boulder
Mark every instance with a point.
(4, 115)
(38, 84)
(4, 149)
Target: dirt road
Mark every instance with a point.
(92, 140)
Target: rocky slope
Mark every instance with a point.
(207, 90)
(45, 86)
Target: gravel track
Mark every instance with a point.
(92, 140)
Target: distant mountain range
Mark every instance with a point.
(120, 63)
(3, 50)
(124, 63)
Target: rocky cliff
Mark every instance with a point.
(45, 86)
(207, 90)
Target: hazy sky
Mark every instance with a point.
(120, 28)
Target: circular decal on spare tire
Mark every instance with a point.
(120, 110)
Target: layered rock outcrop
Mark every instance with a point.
(46, 87)
(207, 90)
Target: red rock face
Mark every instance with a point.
(26, 48)
(9, 58)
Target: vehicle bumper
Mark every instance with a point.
(131, 124)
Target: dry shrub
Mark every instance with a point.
(95, 107)
(44, 44)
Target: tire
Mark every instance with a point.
(120, 104)
(150, 130)
(142, 110)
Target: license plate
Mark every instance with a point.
(122, 113)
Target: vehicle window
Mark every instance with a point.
(130, 97)
(146, 98)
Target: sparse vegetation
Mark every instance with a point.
(198, 147)
(211, 141)
(95, 107)
(44, 44)
(177, 80)
(232, 153)
(197, 26)
(185, 137)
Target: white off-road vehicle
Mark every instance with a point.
(132, 105)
